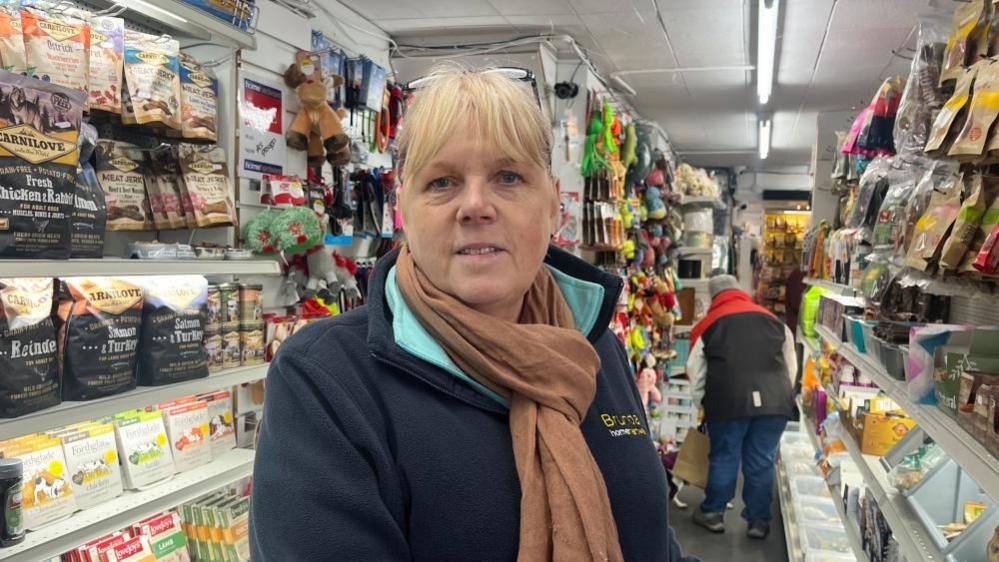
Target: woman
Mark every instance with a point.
(478, 408)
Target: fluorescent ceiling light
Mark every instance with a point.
(766, 48)
(142, 5)
(764, 138)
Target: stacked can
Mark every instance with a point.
(213, 330)
(251, 325)
(230, 320)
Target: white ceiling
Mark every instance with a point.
(832, 56)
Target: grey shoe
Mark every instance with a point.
(714, 522)
(758, 530)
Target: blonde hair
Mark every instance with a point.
(500, 108)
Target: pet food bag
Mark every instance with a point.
(187, 429)
(99, 335)
(969, 218)
(46, 494)
(206, 178)
(951, 117)
(164, 170)
(56, 49)
(107, 58)
(221, 425)
(198, 101)
(173, 329)
(155, 197)
(166, 537)
(28, 349)
(121, 173)
(970, 142)
(11, 38)
(92, 464)
(152, 74)
(968, 17)
(989, 221)
(90, 214)
(932, 228)
(39, 127)
(144, 448)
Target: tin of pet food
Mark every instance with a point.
(214, 322)
(251, 306)
(231, 354)
(229, 297)
(252, 342)
(213, 347)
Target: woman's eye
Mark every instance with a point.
(510, 178)
(439, 183)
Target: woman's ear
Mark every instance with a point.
(556, 198)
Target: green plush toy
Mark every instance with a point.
(296, 230)
(628, 154)
(257, 232)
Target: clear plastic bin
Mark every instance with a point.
(825, 540)
(809, 486)
(827, 556)
(801, 468)
(817, 511)
(790, 453)
(939, 499)
(795, 438)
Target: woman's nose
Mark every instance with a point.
(475, 206)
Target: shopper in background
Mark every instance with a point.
(742, 367)
(478, 407)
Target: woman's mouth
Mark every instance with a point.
(479, 251)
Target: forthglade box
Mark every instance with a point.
(92, 464)
(144, 448)
(221, 424)
(47, 494)
(187, 428)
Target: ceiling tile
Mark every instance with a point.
(533, 7)
(611, 6)
(457, 8)
(375, 10)
(439, 24)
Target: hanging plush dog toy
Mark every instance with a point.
(317, 127)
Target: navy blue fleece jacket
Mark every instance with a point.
(375, 447)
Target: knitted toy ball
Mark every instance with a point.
(296, 230)
(257, 232)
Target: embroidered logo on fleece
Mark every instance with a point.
(624, 425)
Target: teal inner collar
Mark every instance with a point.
(583, 297)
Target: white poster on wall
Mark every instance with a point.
(262, 148)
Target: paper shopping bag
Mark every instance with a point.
(692, 461)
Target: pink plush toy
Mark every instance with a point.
(647, 383)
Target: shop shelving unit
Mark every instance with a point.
(130, 507)
(830, 286)
(73, 412)
(118, 266)
(182, 20)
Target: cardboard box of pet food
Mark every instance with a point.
(46, 491)
(92, 464)
(187, 428)
(144, 448)
(882, 431)
(166, 537)
(221, 424)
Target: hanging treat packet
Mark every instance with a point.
(46, 493)
(39, 128)
(968, 17)
(56, 49)
(144, 448)
(121, 173)
(173, 329)
(166, 537)
(152, 73)
(198, 101)
(28, 349)
(952, 115)
(107, 58)
(127, 109)
(968, 220)
(989, 221)
(970, 142)
(99, 319)
(90, 214)
(206, 178)
(155, 199)
(11, 37)
(221, 426)
(933, 227)
(92, 464)
(164, 171)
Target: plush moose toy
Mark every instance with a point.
(317, 127)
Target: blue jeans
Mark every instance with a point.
(754, 441)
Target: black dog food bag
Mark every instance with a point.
(89, 212)
(39, 126)
(174, 317)
(28, 351)
(99, 335)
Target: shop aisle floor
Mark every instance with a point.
(733, 544)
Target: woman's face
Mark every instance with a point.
(478, 224)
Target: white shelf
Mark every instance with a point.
(830, 286)
(969, 454)
(119, 266)
(188, 21)
(120, 512)
(73, 412)
(691, 251)
(707, 201)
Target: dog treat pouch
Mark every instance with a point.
(39, 127)
(970, 142)
(164, 174)
(107, 58)
(206, 178)
(56, 49)
(99, 335)
(152, 73)
(952, 113)
(969, 218)
(11, 37)
(198, 101)
(989, 222)
(932, 228)
(121, 173)
(28, 350)
(173, 329)
(90, 214)
(968, 17)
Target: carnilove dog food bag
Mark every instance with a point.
(28, 350)
(56, 49)
(107, 58)
(99, 335)
(198, 101)
(11, 37)
(144, 448)
(206, 178)
(152, 74)
(121, 173)
(173, 329)
(90, 215)
(92, 464)
(39, 127)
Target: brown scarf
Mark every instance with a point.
(547, 371)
